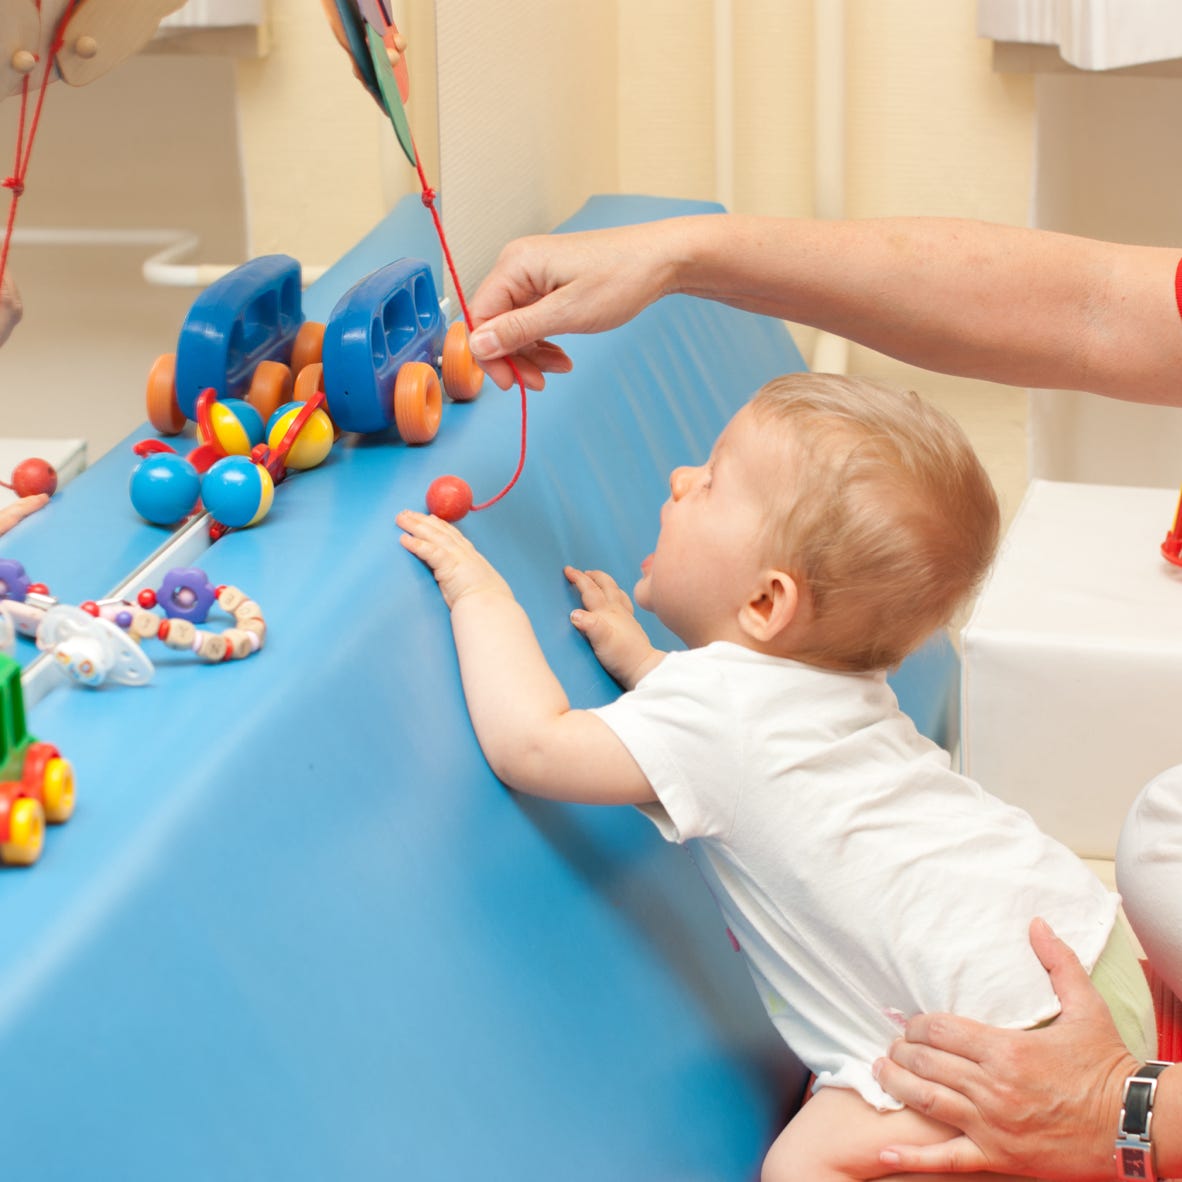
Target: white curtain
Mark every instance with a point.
(1090, 34)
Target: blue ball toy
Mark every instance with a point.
(164, 488)
(237, 491)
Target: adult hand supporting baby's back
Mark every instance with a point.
(1038, 1103)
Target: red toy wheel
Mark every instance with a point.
(308, 347)
(463, 379)
(163, 412)
(270, 388)
(418, 402)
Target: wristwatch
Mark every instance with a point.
(1134, 1145)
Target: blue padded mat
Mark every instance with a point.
(296, 929)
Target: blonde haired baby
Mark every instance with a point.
(835, 526)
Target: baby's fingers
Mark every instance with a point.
(598, 589)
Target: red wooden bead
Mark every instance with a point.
(449, 497)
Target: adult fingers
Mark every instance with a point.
(19, 510)
(958, 1156)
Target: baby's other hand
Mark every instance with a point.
(459, 568)
(608, 622)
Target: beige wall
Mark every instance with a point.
(538, 103)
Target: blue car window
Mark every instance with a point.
(426, 305)
(290, 305)
(260, 321)
(398, 320)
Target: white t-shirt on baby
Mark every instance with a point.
(862, 878)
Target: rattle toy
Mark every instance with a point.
(235, 467)
(186, 597)
(99, 641)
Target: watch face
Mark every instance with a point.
(1134, 1163)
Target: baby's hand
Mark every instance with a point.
(609, 624)
(460, 569)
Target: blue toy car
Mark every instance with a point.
(245, 336)
(385, 341)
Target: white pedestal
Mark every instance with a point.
(1072, 683)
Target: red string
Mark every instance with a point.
(16, 182)
(429, 202)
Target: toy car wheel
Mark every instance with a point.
(163, 412)
(308, 347)
(463, 379)
(418, 402)
(26, 832)
(270, 388)
(57, 790)
(307, 382)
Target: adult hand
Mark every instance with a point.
(1038, 1103)
(557, 283)
(11, 307)
(19, 510)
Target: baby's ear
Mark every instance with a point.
(771, 607)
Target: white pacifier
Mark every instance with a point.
(91, 650)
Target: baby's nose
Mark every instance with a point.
(681, 481)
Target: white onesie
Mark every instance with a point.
(863, 879)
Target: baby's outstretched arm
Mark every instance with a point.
(609, 623)
(527, 730)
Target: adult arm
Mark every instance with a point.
(1013, 305)
(1039, 1103)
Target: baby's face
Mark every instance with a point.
(709, 549)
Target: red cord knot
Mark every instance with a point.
(428, 196)
(17, 186)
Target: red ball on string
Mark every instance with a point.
(33, 476)
(449, 497)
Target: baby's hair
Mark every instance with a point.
(887, 517)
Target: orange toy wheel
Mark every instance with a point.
(418, 402)
(26, 832)
(270, 388)
(308, 381)
(163, 412)
(462, 377)
(308, 347)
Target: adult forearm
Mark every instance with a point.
(1019, 306)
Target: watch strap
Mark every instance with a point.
(1134, 1143)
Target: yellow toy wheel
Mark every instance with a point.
(57, 789)
(163, 412)
(418, 402)
(463, 379)
(308, 347)
(26, 832)
(270, 388)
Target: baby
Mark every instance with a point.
(834, 527)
